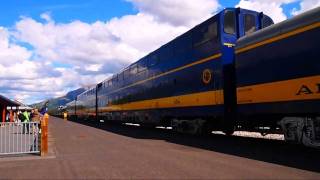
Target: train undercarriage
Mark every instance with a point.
(297, 130)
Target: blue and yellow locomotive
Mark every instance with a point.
(235, 71)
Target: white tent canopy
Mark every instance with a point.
(20, 107)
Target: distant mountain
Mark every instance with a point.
(54, 103)
(73, 94)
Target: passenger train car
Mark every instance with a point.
(235, 71)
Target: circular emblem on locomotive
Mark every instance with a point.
(206, 76)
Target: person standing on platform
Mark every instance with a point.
(15, 117)
(25, 122)
(8, 117)
(44, 108)
(31, 115)
(20, 118)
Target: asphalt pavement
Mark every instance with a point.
(108, 150)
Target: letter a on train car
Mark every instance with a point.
(304, 90)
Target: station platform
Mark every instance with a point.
(118, 151)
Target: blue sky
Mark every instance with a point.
(51, 47)
(88, 11)
(64, 10)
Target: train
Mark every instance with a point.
(236, 71)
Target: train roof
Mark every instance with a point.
(90, 89)
(304, 19)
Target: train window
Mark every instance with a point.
(133, 69)
(229, 22)
(115, 78)
(166, 52)
(121, 76)
(182, 45)
(249, 23)
(153, 60)
(212, 31)
(205, 34)
(99, 86)
(110, 83)
(126, 73)
(266, 21)
(113, 81)
(142, 66)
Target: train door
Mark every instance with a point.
(217, 87)
(98, 88)
(229, 35)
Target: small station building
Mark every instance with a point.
(7, 106)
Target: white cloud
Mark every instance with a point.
(76, 43)
(306, 5)
(22, 70)
(34, 87)
(29, 80)
(46, 16)
(142, 32)
(11, 52)
(271, 8)
(178, 12)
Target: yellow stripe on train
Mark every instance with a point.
(196, 99)
(307, 88)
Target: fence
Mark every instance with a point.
(19, 138)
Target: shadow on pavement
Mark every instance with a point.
(271, 151)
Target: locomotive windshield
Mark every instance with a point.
(229, 22)
(249, 23)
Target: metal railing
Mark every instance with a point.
(19, 138)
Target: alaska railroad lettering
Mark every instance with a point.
(304, 89)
